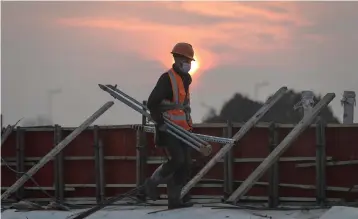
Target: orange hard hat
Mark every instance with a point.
(184, 49)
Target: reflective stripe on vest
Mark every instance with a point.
(170, 107)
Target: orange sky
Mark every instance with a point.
(240, 27)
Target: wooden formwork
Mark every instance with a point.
(103, 161)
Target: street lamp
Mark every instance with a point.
(258, 86)
(50, 94)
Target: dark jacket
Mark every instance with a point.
(163, 90)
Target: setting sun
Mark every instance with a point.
(194, 66)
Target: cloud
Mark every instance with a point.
(241, 30)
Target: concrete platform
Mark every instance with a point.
(341, 212)
(138, 212)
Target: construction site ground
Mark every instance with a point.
(205, 210)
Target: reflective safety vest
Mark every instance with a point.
(178, 109)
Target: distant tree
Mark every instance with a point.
(240, 109)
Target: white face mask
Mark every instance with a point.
(185, 67)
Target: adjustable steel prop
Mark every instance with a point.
(187, 137)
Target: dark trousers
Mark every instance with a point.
(179, 164)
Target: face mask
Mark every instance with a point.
(185, 67)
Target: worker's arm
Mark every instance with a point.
(161, 91)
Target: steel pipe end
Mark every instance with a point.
(206, 150)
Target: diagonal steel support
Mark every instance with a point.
(244, 129)
(280, 149)
(49, 156)
(8, 132)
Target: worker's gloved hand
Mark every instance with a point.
(162, 127)
(157, 117)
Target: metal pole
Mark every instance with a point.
(56, 150)
(215, 139)
(320, 163)
(273, 199)
(50, 94)
(241, 133)
(228, 164)
(20, 159)
(307, 102)
(280, 149)
(146, 108)
(201, 148)
(348, 102)
(58, 164)
(99, 165)
(141, 156)
(257, 87)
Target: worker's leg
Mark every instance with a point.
(187, 197)
(177, 159)
(179, 179)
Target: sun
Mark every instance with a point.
(194, 67)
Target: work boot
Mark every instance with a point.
(186, 198)
(151, 184)
(174, 200)
(150, 188)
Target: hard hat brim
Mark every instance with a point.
(174, 53)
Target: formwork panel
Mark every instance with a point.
(342, 145)
(111, 191)
(120, 172)
(82, 192)
(296, 192)
(28, 194)
(79, 172)
(44, 176)
(8, 176)
(207, 191)
(38, 143)
(242, 170)
(217, 171)
(290, 174)
(118, 142)
(303, 146)
(82, 145)
(8, 149)
(255, 144)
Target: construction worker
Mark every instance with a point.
(170, 98)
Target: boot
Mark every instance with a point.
(151, 184)
(186, 198)
(150, 188)
(174, 200)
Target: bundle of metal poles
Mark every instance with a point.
(177, 131)
(215, 139)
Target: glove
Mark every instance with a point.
(158, 135)
(157, 117)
